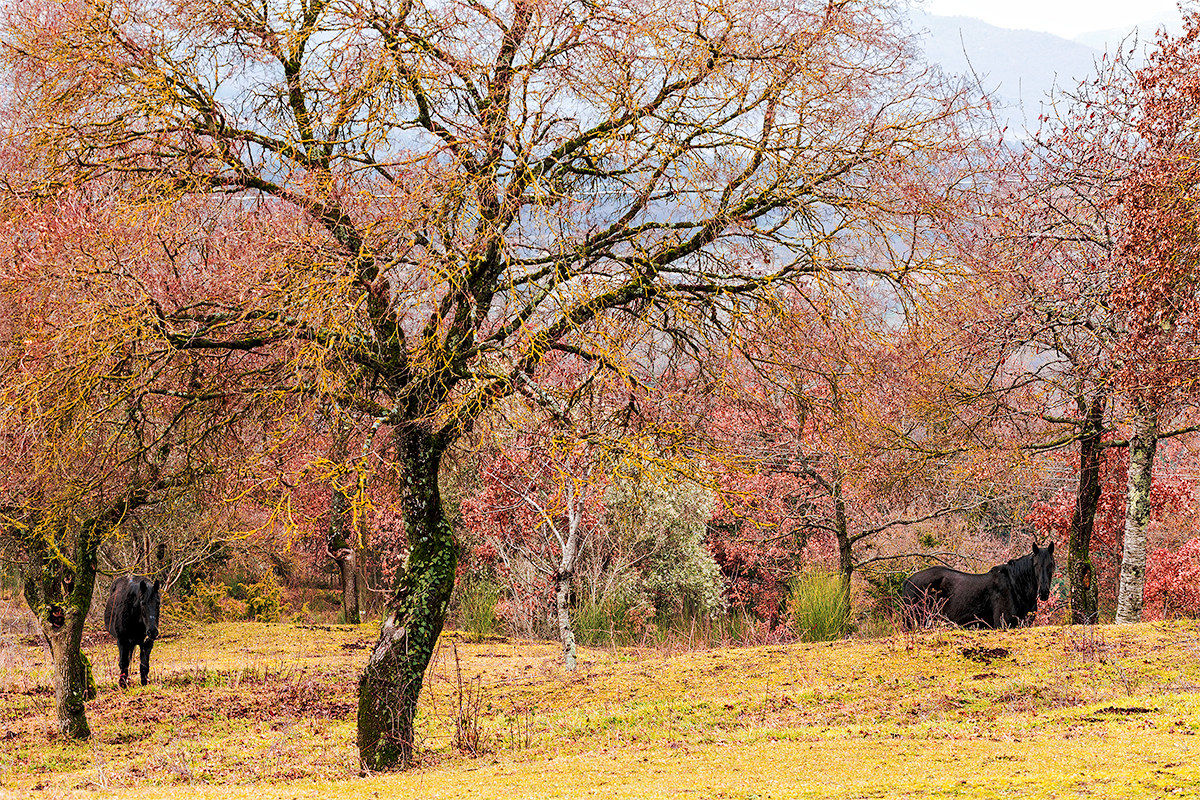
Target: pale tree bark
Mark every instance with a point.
(1142, 445)
(562, 597)
(562, 578)
(569, 547)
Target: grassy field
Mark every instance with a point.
(267, 710)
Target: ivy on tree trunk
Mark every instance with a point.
(59, 594)
(391, 684)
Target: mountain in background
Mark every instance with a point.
(1018, 68)
(1145, 30)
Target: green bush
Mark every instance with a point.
(207, 601)
(884, 589)
(820, 607)
(264, 599)
(662, 523)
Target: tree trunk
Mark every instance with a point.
(566, 569)
(845, 546)
(1080, 570)
(342, 549)
(60, 598)
(73, 681)
(1142, 445)
(343, 533)
(391, 684)
(562, 596)
(348, 567)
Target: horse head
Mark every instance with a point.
(1043, 568)
(148, 600)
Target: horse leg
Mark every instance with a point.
(125, 650)
(146, 660)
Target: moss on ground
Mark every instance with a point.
(267, 710)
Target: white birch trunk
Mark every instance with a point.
(565, 634)
(562, 579)
(1142, 445)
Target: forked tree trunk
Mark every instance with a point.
(1080, 571)
(1142, 446)
(60, 600)
(391, 684)
(565, 572)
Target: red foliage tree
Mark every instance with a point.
(1052, 518)
(1173, 581)
(539, 506)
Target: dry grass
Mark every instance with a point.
(264, 711)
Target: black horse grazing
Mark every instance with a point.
(999, 598)
(131, 616)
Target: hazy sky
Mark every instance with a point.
(1066, 18)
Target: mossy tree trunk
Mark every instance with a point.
(416, 610)
(1080, 571)
(1142, 446)
(59, 593)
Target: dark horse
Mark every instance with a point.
(999, 598)
(131, 616)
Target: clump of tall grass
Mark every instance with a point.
(609, 621)
(820, 607)
(477, 608)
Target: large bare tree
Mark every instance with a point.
(458, 188)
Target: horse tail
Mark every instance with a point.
(922, 597)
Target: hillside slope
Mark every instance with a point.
(264, 711)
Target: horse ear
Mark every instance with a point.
(155, 587)
(1051, 548)
(1035, 548)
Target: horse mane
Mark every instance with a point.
(1023, 580)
